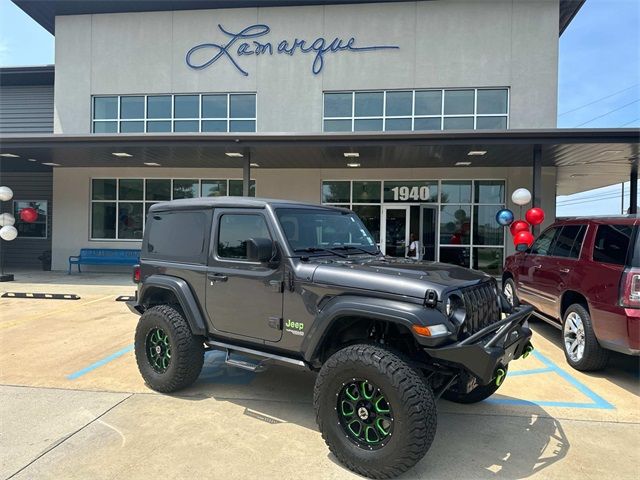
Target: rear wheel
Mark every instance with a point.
(376, 413)
(169, 356)
(579, 342)
(478, 394)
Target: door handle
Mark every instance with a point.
(537, 266)
(217, 277)
(565, 270)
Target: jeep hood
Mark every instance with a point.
(396, 276)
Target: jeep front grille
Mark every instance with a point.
(481, 305)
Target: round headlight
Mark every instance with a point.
(454, 308)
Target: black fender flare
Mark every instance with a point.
(393, 311)
(183, 293)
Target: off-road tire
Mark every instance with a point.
(187, 349)
(410, 398)
(478, 394)
(595, 357)
(512, 285)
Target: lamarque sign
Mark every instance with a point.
(238, 46)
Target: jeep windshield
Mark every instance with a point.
(323, 231)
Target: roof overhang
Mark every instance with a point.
(45, 11)
(34, 75)
(585, 158)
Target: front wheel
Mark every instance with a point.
(375, 412)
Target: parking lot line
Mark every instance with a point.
(550, 367)
(100, 363)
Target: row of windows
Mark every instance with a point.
(459, 109)
(119, 206)
(175, 113)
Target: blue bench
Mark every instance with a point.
(104, 256)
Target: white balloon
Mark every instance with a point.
(521, 196)
(7, 219)
(5, 194)
(8, 233)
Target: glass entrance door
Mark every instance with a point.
(428, 215)
(395, 231)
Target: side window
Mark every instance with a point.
(235, 229)
(180, 236)
(542, 245)
(569, 241)
(612, 244)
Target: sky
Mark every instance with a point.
(598, 85)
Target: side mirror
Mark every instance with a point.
(260, 249)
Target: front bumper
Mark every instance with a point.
(493, 347)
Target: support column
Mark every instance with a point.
(633, 189)
(246, 173)
(537, 181)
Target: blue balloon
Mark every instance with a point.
(504, 217)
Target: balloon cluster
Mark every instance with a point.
(8, 231)
(520, 229)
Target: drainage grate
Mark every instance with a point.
(262, 416)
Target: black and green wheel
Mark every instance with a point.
(375, 412)
(169, 356)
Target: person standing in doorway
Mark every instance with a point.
(414, 247)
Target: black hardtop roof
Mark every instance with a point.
(231, 202)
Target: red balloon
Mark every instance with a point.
(518, 226)
(523, 237)
(28, 215)
(535, 216)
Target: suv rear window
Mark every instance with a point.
(569, 241)
(612, 244)
(181, 236)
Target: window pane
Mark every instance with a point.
(214, 106)
(399, 103)
(455, 225)
(564, 245)
(185, 126)
(409, 191)
(489, 260)
(398, 124)
(103, 189)
(369, 104)
(576, 249)
(542, 245)
(612, 243)
(337, 125)
(456, 192)
(166, 230)
(214, 125)
(235, 188)
(132, 107)
(130, 219)
(491, 123)
(366, 192)
(427, 124)
(486, 230)
(367, 126)
(455, 256)
(186, 106)
(105, 108)
(131, 127)
(337, 104)
(158, 189)
(214, 188)
(235, 230)
(458, 123)
(103, 220)
(489, 191)
(105, 127)
(429, 102)
(35, 229)
(130, 189)
(185, 189)
(242, 106)
(370, 216)
(492, 101)
(458, 102)
(242, 126)
(164, 126)
(159, 106)
(336, 192)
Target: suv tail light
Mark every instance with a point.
(136, 274)
(630, 288)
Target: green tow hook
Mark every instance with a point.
(500, 375)
(527, 350)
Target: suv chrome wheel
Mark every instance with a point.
(574, 337)
(508, 292)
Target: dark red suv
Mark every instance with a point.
(583, 276)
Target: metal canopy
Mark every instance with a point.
(585, 158)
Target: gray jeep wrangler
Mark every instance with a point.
(278, 282)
